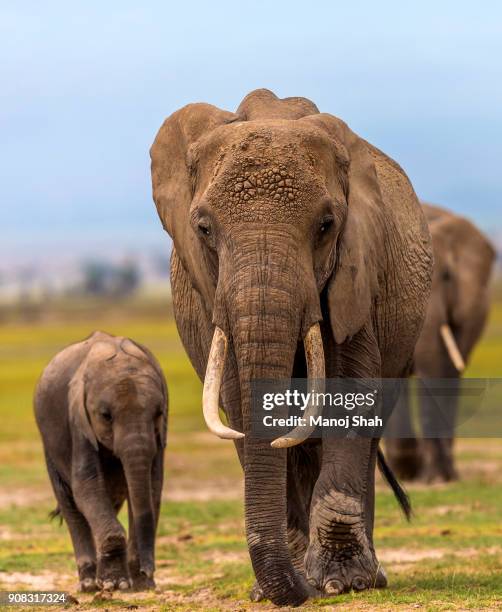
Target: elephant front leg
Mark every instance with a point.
(438, 460)
(94, 502)
(402, 448)
(109, 536)
(140, 581)
(341, 556)
(303, 470)
(298, 537)
(438, 427)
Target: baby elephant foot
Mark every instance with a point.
(113, 572)
(340, 570)
(88, 585)
(141, 581)
(87, 577)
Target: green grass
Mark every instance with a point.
(449, 556)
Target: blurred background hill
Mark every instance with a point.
(109, 275)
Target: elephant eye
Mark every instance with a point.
(326, 224)
(204, 227)
(105, 414)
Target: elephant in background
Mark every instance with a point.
(456, 315)
(300, 250)
(101, 408)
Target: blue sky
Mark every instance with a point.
(85, 86)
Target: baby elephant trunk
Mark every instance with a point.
(137, 459)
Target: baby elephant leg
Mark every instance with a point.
(109, 535)
(140, 581)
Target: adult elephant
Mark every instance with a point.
(455, 318)
(299, 249)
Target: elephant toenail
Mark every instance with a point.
(148, 573)
(333, 587)
(108, 585)
(87, 584)
(123, 585)
(359, 584)
(381, 578)
(256, 593)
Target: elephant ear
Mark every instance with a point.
(142, 352)
(133, 349)
(354, 282)
(102, 349)
(79, 418)
(174, 174)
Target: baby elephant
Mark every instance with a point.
(101, 407)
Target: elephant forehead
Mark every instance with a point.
(276, 183)
(263, 171)
(256, 189)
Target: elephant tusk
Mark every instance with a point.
(212, 385)
(314, 353)
(452, 347)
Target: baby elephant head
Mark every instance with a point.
(117, 401)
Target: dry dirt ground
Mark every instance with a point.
(407, 552)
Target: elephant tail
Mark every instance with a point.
(399, 492)
(62, 489)
(56, 513)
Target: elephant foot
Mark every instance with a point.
(436, 474)
(256, 594)
(140, 580)
(343, 569)
(112, 570)
(88, 585)
(439, 463)
(87, 577)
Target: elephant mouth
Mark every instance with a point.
(314, 357)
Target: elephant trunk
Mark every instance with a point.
(265, 303)
(137, 459)
(265, 468)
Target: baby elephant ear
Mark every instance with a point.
(142, 352)
(79, 418)
(133, 349)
